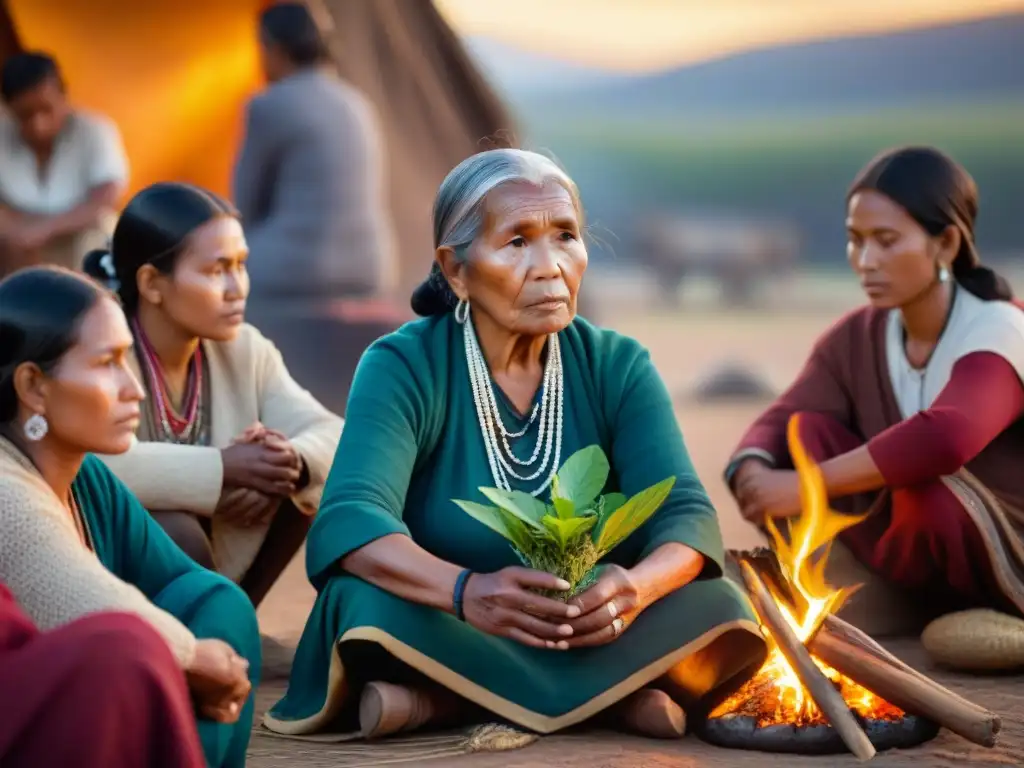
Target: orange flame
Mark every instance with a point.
(802, 553)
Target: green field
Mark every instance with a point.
(794, 166)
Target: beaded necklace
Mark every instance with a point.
(175, 427)
(497, 436)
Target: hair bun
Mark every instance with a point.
(985, 283)
(99, 265)
(433, 296)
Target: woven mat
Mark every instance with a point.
(348, 750)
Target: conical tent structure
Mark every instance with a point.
(175, 76)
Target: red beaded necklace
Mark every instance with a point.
(178, 428)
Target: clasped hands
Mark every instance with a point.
(505, 604)
(219, 681)
(261, 469)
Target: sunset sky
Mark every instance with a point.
(651, 34)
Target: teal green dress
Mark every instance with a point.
(133, 547)
(411, 444)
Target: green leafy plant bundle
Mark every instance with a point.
(579, 526)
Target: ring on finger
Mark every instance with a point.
(618, 625)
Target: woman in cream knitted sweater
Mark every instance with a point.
(232, 453)
(73, 540)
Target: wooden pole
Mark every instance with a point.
(901, 685)
(828, 699)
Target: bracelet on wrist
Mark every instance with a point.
(459, 592)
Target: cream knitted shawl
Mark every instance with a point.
(51, 574)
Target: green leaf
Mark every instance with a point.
(498, 521)
(564, 508)
(611, 502)
(582, 477)
(564, 531)
(489, 516)
(631, 515)
(520, 536)
(522, 505)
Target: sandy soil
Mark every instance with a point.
(685, 347)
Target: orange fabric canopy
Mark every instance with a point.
(175, 77)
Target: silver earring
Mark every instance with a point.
(462, 311)
(36, 427)
(943, 274)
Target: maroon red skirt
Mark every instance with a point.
(101, 692)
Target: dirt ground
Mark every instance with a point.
(771, 342)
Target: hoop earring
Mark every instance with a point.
(36, 427)
(943, 274)
(462, 311)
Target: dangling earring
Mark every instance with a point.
(462, 311)
(36, 427)
(943, 274)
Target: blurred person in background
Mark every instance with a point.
(101, 692)
(62, 169)
(232, 453)
(912, 408)
(310, 186)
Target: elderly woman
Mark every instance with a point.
(912, 406)
(232, 453)
(74, 542)
(421, 609)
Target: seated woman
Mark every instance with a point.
(232, 453)
(73, 539)
(101, 692)
(412, 590)
(912, 404)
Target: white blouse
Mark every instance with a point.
(974, 325)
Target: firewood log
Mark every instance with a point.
(819, 687)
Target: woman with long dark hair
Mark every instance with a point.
(912, 407)
(231, 453)
(74, 541)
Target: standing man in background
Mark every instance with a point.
(309, 181)
(62, 170)
(310, 185)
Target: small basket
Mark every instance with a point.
(978, 640)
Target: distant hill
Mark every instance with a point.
(972, 61)
(518, 73)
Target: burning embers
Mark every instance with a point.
(769, 698)
(825, 686)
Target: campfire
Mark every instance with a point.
(826, 687)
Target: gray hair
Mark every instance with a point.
(459, 209)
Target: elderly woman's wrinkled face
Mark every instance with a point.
(894, 257)
(524, 270)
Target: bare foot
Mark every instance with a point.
(385, 709)
(651, 713)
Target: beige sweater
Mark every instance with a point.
(53, 576)
(248, 382)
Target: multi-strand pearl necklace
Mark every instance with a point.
(496, 435)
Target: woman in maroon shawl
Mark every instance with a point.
(101, 692)
(911, 405)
